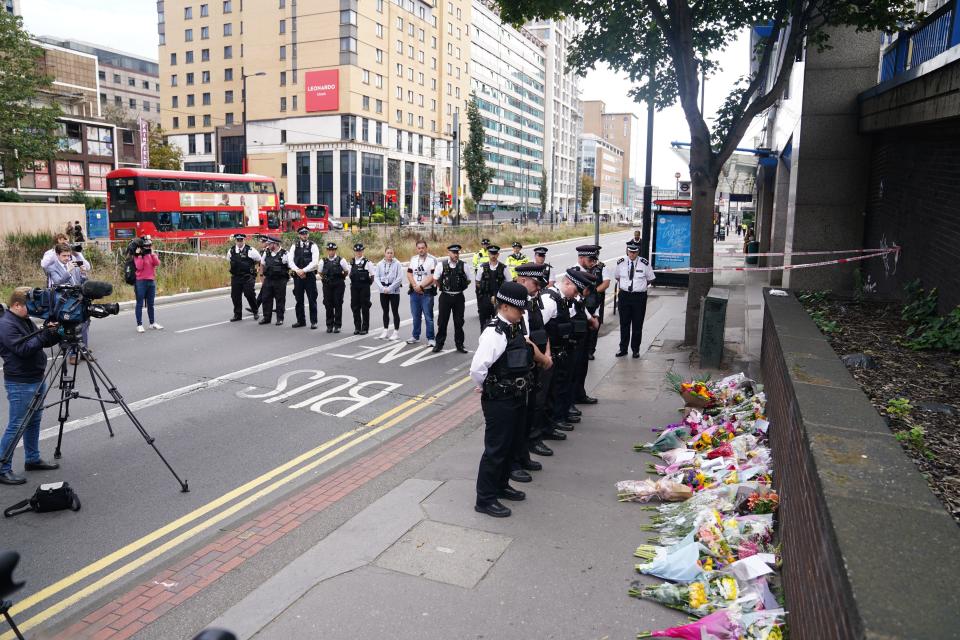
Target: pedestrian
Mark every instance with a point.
(70, 269)
(634, 275)
(516, 258)
(482, 255)
(453, 278)
(78, 232)
(276, 272)
(24, 366)
(501, 369)
(243, 276)
(490, 277)
(361, 278)
(389, 279)
(420, 272)
(304, 260)
(540, 259)
(636, 236)
(333, 273)
(145, 262)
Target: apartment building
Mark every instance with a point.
(127, 82)
(603, 162)
(508, 78)
(342, 96)
(12, 6)
(621, 131)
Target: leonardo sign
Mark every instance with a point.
(323, 90)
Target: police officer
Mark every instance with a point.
(482, 255)
(333, 273)
(634, 274)
(557, 378)
(501, 368)
(540, 259)
(276, 272)
(490, 277)
(304, 258)
(361, 278)
(243, 275)
(262, 238)
(566, 413)
(453, 276)
(588, 257)
(516, 258)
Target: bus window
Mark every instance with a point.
(169, 185)
(265, 187)
(228, 219)
(163, 222)
(153, 184)
(273, 220)
(190, 185)
(210, 220)
(222, 187)
(191, 221)
(316, 213)
(238, 186)
(206, 185)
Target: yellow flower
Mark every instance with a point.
(732, 479)
(728, 587)
(698, 596)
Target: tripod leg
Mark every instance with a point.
(36, 404)
(96, 387)
(118, 398)
(67, 383)
(12, 625)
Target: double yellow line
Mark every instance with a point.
(270, 481)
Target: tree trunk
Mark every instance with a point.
(701, 249)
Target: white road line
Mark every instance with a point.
(215, 324)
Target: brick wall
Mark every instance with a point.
(914, 201)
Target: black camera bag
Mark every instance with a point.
(55, 496)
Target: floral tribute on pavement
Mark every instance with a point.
(713, 538)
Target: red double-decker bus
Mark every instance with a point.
(187, 204)
(316, 217)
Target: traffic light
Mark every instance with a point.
(443, 199)
(449, 201)
(352, 200)
(281, 200)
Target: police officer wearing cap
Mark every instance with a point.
(482, 255)
(453, 277)
(304, 259)
(540, 259)
(516, 258)
(634, 275)
(560, 332)
(262, 238)
(588, 258)
(276, 272)
(490, 277)
(583, 323)
(333, 273)
(361, 278)
(243, 275)
(501, 368)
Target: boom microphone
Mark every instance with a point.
(94, 289)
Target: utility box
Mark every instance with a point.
(713, 323)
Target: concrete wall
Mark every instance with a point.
(34, 217)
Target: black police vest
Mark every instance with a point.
(241, 264)
(515, 361)
(359, 275)
(537, 330)
(453, 280)
(579, 319)
(331, 270)
(491, 278)
(302, 256)
(560, 327)
(273, 265)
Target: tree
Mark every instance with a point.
(473, 160)
(163, 155)
(28, 129)
(469, 206)
(117, 115)
(543, 194)
(586, 191)
(78, 196)
(665, 45)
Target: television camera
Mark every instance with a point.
(71, 305)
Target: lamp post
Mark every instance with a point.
(243, 95)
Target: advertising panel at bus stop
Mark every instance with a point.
(671, 240)
(323, 90)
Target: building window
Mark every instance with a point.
(399, 23)
(204, 33)
(399, 70)
(116, 78)
(188, 35)
(348, 45)
(348, 16)
(117, 100)
(348, 128)
(228, 52)
(103, 97)
(228, 74)
(228, 97)
(399, 116)
(366, 102)
(409, 118)
(379, 6)
(228, 29)
(294, 102)
(283, 4)
(228, 117)
(379, 30)
(348, 177)
(365, 75)
(283, 78)
(283, 27)
(378, 131)
(205, 77)
(399, 140)
(409, 142)
(228, 6)
(379, 81)
(283, 169)
(175, 102)
(206, 120)
(173, 63)
(191, 145)
(189, 79)
(206, 99)
(132, 82)
(399, 46)
(132, 103)
(380, 56)
(283, 136)
(283, 52)
(189, 57)
(208, 143)
(188, 13)
(204, 55)
(365, 130)
(283, 104)
(204, 11)
(190, 100)
(176, 122)
(379, 106)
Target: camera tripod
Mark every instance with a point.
(63, 369)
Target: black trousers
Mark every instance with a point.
(633, 307)
(503, 419)
(593, 335)
(455, 303)
(333, 303)
(274, 294)
(541, 408)
(521, 444)
(306, 285)
(580, 366)
(390, 301)
(485, 308)
(360, 305)
(242, 287)
(559, 398)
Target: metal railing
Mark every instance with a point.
(928, 39)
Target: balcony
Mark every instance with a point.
(937, 33)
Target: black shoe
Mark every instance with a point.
(40, 465)
(586, 400)
(494, 509)
(509, 493)
(572, 419)
(336, 329)
(298, 324)
(590, 356)
(256, 316)
(364, 332)
(561, 426)
(264, 321)
(11, 478)
(329, 329)
(253, 310)
(437, 348)
(636, 355)
(541, 449)
(519, 475)
(356, 332)
(235, 319)
(573, 411)
(553, 434)
(313, 325)
(279, 322)
(462, 349)
(620, 354)
(530, 465)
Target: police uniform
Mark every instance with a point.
(516, 258)
(634, 274)
(305, 256)
(333, 273)
(243, 276)
(276, 272)
(556, 380)
(489, 280)
(541, 252)
(263, 249)
(361, 278)
(579, 317)
(483, 255)
(453, 278)
(501, 367)
(590, 305)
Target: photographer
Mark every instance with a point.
(50, 256)
(69, 269)
(146, 262)
(24, 363)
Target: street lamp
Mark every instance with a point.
(243, 94)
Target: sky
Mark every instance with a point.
(131, 25)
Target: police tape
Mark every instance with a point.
(192, 255)
(786, 267)
(781, 253)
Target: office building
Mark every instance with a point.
(12, 6)
(604, 163)
(620, 130)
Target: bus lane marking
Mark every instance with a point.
(317, 403)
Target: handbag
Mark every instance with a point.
(54, 496)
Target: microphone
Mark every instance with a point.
(94, 289)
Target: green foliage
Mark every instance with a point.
(813, 298)
(586, 191)
(469, 206)
(381, 215)
(815, 303)
(77, 196)
(899, 408)
(915, 437)
(162, 154)
(543, 193)
(10, 196)
(474, 161)
(927, 330)
(26, 126)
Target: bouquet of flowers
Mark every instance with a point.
(644, 490)
(727, 624)
(700, 597)
(696, 394)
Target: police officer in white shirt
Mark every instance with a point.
(243, 275)
(333, 273)
(634, 274)
(304, 257)
(453, 277)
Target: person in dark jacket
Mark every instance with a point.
(24, 363)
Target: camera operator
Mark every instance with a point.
(50, 256)
(70, 269)
(146, 262)
(24, 363)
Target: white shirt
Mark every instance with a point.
(314, 256)
(253, 255)
(389, 276)
(491, 347)
(421, 267)
(507, 273)
(286, 257)
(549, 311)
(50, 258)
(367, 264)
(343, 264)
(453, 265)
(642, 274)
